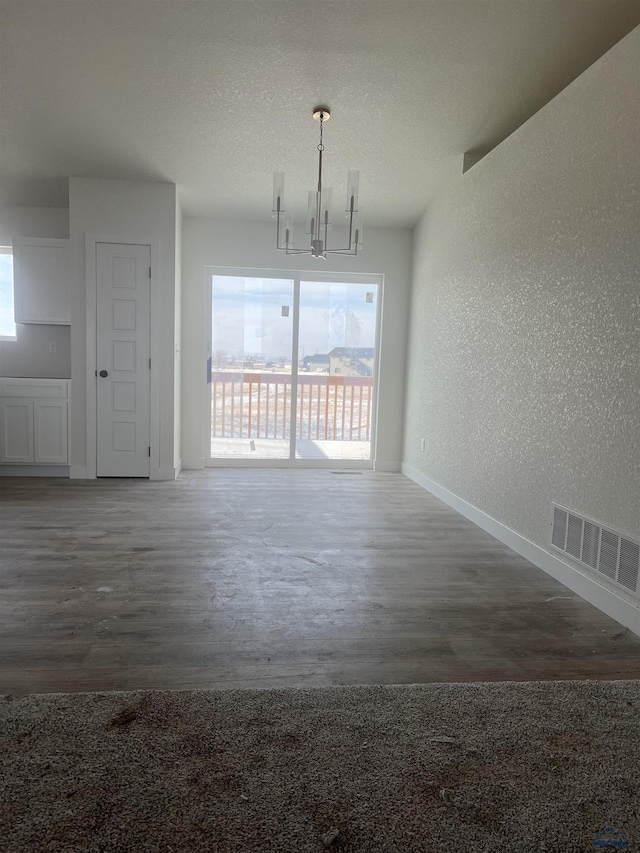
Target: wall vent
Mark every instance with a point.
(609, 553)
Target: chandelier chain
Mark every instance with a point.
(321, 146)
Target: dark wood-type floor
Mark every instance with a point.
(258, 578)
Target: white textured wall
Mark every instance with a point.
(29, 355)
(524, 351)
(208, 242)
(127, 211)
(33, 222)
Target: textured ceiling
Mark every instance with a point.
(216, 95)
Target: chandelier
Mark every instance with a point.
(318, 223)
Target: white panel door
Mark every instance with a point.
(123, 359)
(16, 438)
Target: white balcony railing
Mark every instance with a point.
(258, 405)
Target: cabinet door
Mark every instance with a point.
(41, 280)
(50, 430)
(16, 436)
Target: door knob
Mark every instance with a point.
(103, 373)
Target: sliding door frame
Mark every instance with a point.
(296, 276)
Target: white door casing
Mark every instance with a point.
(123, 353)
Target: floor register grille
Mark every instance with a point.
(611, 554)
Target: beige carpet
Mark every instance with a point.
(511, 767)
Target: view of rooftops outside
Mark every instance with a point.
(251, 374)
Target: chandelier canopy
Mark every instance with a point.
(318, 223)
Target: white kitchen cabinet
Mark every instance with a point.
(34, 416)
(16, 441)
(50, 432)
(41, 280)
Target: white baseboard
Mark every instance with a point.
(8, 470)
(165, 472)
(194, 464)
(78, 472)
(623, 611)
(386, 467)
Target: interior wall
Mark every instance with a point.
(524, 352)
(208, 242)
(134, 212)
(29, 355)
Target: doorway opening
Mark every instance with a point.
(292, 368)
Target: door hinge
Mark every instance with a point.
(149, 364)
(149, 272)
(149, 453)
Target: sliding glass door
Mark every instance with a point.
(336, 369)
(250, 367)
(264, 404)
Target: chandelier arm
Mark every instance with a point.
(349, 250)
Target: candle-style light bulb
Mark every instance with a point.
(358, 227)
(287, 231)
(278, 192)
(353, 181)
(325, 215)
(312, 213)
